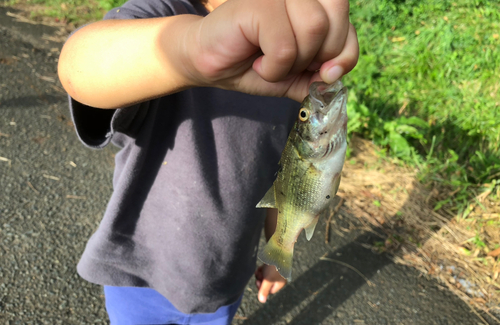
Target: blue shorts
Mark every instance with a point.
(131, 305)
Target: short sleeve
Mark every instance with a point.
(95, 127)
(137, 9)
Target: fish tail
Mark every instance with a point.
(280, 257)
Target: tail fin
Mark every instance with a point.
(273, 254)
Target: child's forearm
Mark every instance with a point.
(270, 224)
(114, 63)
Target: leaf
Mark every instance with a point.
(454, 156)
(409, 130)
(464, 251)
(399, 145)
(440, 204)
(390, 126)
(398, 39)
(413, 120)
(494, 253)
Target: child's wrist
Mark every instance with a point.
(201, 67)
(179, 49)
(202, 63)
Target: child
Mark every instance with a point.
(172, 83)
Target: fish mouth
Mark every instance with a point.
(326, 128)
(330, 101)
(325, 97)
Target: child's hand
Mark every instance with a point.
(272, 47)
(268, 280)
(260, 47)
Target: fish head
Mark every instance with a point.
(322, 120)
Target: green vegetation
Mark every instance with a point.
(76, 12)
(426, 89)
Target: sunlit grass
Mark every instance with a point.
(75, 12)
(426, 88)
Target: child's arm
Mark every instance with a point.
(115, 63)
(259, 47)
(268, 280)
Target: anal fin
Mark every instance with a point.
(269, 200)
(310, 228)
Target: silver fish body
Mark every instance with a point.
(309, 174)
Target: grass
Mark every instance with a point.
(74, 12)
(426, 90)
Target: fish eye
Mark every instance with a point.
(303, 114)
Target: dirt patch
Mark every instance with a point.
(389, 198)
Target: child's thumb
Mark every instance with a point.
(346, 61)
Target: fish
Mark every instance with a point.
(309, 172)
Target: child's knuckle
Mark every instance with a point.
(285, 53)
(340, 6)
(334, 51)
(318, 24)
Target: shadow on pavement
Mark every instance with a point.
(322, 297)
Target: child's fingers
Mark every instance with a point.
(278, 285)
(264, 290)
(259, 275)
(338, 16)
(309, 33)
(276, 41)
(299, 89)
(345, 61)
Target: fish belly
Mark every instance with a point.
(297, 189)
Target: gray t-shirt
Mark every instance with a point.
(192, 166)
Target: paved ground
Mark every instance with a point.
(53, 192)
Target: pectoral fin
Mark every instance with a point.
(310, 228)
(269, 200)
(336, 184)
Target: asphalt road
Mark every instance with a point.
(53, 192)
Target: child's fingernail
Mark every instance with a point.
(334, 74)
(262, 299)
(314, 66)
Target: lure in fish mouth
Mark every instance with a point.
(309, 174)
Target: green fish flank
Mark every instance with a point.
(309, 173)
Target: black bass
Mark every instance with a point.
(309, 173)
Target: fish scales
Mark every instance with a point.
(309, 173)
(297, 194)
